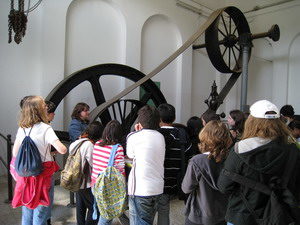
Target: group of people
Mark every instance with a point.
(194, 163)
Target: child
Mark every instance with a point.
(146, 147)
(84, 197)
(174, 165)
(205, 204)
(34, 122)
(80, 118)
(112, 135)
(236, 120)
(260, 156)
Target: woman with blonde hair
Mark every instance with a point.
(35, 193)
(260, 156)
(205, 204)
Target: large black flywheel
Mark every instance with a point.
(221, 40)
(125, 110)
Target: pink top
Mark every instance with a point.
(101, 157)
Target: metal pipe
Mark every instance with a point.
(244, 107)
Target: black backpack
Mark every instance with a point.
(282, 207)
(28, 161)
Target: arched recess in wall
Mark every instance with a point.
(160, 39)
(294, 74)
(95, 34)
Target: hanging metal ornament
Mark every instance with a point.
(17, 20)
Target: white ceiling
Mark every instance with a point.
(243, 5)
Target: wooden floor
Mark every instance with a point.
(63, 215)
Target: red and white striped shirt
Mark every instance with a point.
(101, 157)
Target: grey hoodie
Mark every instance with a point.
(205, 204)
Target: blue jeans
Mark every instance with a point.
(40, 214)
(142, 209)
(163, 210)
(51, 195)
(228, 223)
(103, 221)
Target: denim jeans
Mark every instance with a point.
(84, 207)
(228, 223)
(51, 195)
(103, 221)
(163, 210)
(40, 214)
(142, 209)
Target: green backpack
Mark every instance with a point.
(71, 177)
(110, 190)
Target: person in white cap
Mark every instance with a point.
(263, 153)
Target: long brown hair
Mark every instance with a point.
(266, 128)
(33, 111)
(81, 106)
(215, 139)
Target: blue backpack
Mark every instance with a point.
(28, 161)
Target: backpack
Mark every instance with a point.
(282, 207)
(110, 190)
(72, 176)
(28, 161)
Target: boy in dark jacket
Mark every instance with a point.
(174, 165)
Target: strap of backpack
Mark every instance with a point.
(247, 182)
(29, 131)
(112, 155)
(291, 162)
(78, 146)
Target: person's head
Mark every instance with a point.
(194, 126)
(264, 122)
(166, 113)
(209, 115)
(50, 110)
(93, 131)
(112, 133)
(287, 113)
(23, 100)
(295, 128)
(236, 120)
(148, 118)
(81, 112)
(33, 111)
(215, 139)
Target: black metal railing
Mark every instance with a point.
(6, 164)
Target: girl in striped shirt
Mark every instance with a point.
(111, 135)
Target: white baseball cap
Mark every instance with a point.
(260, 108)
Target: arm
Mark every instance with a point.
(52, 139)
(225, 184)
(16, 147)
(129, 147)
(17, 143)
(60, 147)
(190, 180)
(75, 130)
(119, 160)
(89, 152)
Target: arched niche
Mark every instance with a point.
(294, 74)
(160, 39)
(95, 34)
(260, 71)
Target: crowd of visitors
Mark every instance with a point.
(243, 171)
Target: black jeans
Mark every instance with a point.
(188, 222)
(84, 207)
